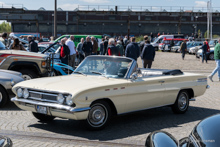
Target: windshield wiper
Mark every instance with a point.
(96, 72)
(79, 73)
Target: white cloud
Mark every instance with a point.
(200, 4)
(68, 6)
(96, 1)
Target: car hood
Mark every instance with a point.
(70, 84)
(7, 75)
(22, 53)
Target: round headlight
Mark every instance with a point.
(69, 100)
(60, 98)
(19, 92)
(25, 93)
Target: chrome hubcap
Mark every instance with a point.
(1, 97)
(182, 102)
(97, 116)
(26, 77)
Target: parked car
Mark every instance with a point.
(7, 80)
(205, 134)
(209, 55)
(165, 45)
(194, 50)
(176, 47)
(193, 44)
(61, 69)
(102, 86)
(5, 141)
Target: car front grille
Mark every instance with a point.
(43, 96)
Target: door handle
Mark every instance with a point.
(161, 81)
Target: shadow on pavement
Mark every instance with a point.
(128, 125)
(10, 106)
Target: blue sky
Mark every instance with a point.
(72, 4)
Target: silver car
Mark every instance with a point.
(8, 79)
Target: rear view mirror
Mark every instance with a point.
(161, 139)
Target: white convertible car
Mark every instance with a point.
(103, 86)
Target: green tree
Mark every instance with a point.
(5, 27)
(205, 35)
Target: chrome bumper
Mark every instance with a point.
(57, 110)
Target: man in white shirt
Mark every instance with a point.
(72, 48)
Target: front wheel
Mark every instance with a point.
(43, 117)
(182, 103)
(98, 116)
(3, 97)
(28, 74)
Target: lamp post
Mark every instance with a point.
(55, 18)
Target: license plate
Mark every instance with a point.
(42, 109)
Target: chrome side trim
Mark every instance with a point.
(52, 105)
(145, 109)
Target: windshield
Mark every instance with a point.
(112, 67)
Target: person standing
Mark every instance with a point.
(64, 52)
(94, 46)
(70, 43)
(132, 49)
(80, 51)
(33, 46)
(217, 60)
(112, 49)
(3, 38)
(204, 50)
(142, 44)
(148, 54)
(105, 45)
(17, 45)
(151, 37)
(102, 47)
(183, 49)
(120, 47)
(207, 43)
(87, 47)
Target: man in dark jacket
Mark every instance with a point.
(87, 47)
(132, 50)
(33, 47)
(147, 55)
(64, 52)
(105, 45)
(204, 50)
(183, 48)
(142, 44)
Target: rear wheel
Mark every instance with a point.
(211, 56)
(3, 97)
(43, 117)
(182, 103)
(98, 116)
(28, 74)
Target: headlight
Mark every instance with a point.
(69, 100)
(25, 93)
(19, 92)
(60, 98)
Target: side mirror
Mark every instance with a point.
(134, 76)
(5, 141)
(161, 139)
